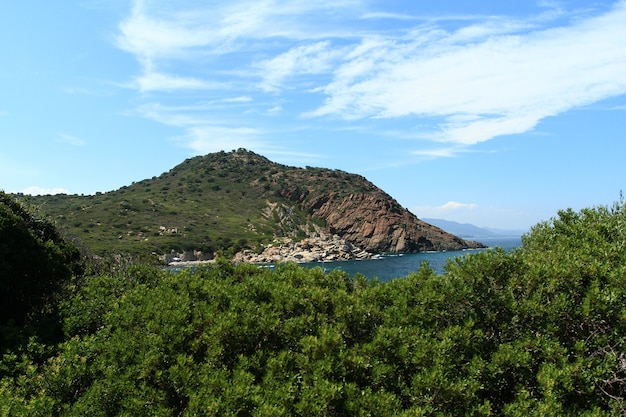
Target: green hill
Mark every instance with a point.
(235, 200)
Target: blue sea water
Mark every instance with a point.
(389, 267)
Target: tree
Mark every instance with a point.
(35, 263)
(539, 331)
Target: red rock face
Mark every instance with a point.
(378, 224)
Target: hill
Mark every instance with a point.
(236, 200)
(467, 230)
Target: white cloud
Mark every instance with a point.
(450, 210)
(454, 205)
(151, 33)
(450, 206)
(203, 133)
(155, 32)
(70, 140)
(316, 58)
(172, 116)
(240, 99)
(489, 77)
(449, 152)
(36, 190)
(482, 216)
(154, 81)
(196, 114)
(192, 113)
(206, 139)
(502, 83)
(275, 110)
(387, 15)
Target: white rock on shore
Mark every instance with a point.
(186, 257)
(312, 249)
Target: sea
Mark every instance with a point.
(388, 267)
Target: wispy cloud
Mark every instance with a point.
(275, 110)
(480, 215)
(70, 140)
(501, 84)
(316, 58)
(487, 77)
(448, 152)
(200, 113)
(387, 15)
(454, 205)
(205, 139)
(154, 81)
(36, 190)
(240, 99)
(447, 210)
(202, 132)
(159, 31)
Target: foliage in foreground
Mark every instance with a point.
(36, 264)
(539, 331)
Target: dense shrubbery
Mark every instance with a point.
(36, 263)
(539, 331)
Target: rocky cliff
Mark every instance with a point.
(378, 224)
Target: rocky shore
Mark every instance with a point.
(311, 249)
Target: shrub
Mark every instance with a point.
(35, 262)
(537, 331)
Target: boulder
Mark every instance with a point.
(312, 249)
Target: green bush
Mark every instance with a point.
(537, 331)
(35, 263)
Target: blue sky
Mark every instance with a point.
(493, 113)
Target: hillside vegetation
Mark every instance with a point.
(540, 331)
(229, 201)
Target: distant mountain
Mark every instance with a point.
(470, 231)
(240, 200)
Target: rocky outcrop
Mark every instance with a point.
(378, 224)
(312, 249)
(186, 256)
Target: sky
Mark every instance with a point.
(494, 113)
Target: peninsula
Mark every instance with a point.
(246, 207)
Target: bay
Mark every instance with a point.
(388, 267)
